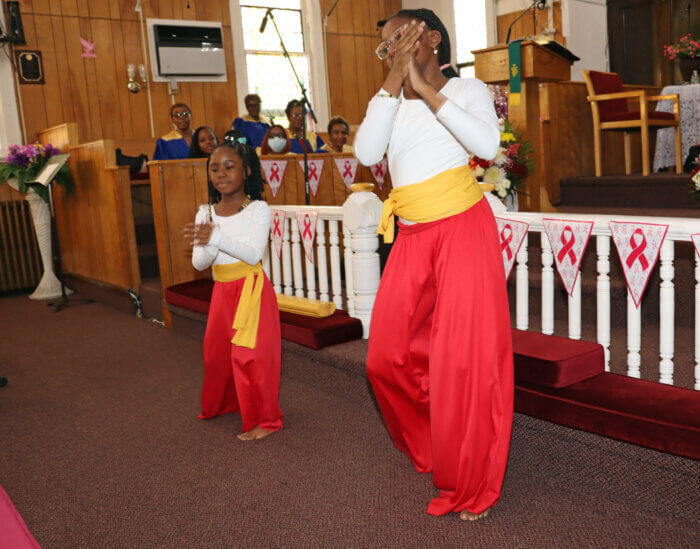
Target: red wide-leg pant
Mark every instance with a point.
(440, 356)
(239, 379)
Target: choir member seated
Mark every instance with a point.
(176, 144)
(204, 141)
(295, 114)
(252, 125)
(338, 131)
(275, 142)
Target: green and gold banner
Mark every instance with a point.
(515, 72)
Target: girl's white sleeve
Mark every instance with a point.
(372, 137)
(250, 249)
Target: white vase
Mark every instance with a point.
(512, 202)
(49, 286)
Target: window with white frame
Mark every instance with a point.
(269, 73)
(470, 33)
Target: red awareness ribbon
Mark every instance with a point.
(506, 240)
(307, 227)
(568, 247)
(313, 174)
(275, 173)
(347, 172)
(638, 250)
(378, 169)
(276, 229)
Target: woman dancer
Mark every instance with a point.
(242, 343)
(440, 358)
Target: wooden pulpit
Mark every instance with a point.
(539, 64)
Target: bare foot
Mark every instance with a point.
(256, 433)
(466, 515)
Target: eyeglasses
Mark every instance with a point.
(181, 115)
(297, 115)
(383, 49)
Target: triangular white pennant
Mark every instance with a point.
(511, 235)
(315, 169)
(379, 171)
(306, 221)
(638, 246)
(274, 172)
(348, 169)
(277, 229)
(568, 240)
(696, 242)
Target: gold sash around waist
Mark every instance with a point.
(446, 194)
(247, 317)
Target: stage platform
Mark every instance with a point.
(660, 194)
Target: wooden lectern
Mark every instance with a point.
(539, 64)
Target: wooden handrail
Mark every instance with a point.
(634, 94)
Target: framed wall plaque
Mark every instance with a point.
(30, 67)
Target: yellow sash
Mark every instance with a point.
(247, 316)
(448, 193)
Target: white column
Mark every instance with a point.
(603, 295)
(575, 310)
(361, 214)
(634, 337)
(287, 259)
(321, 261)
(336, 278)
(666, 313)
(522, 288)
(547, 286)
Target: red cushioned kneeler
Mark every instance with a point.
(315, 333)
(552, 361)
(650, 414)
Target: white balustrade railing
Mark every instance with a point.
(294, 274)
(680, 229)
(358, 219)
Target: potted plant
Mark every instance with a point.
(21, 167)
(687, 50)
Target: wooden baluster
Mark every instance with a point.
(547, 286)
(522, 288)
(349, 286)
(697, 322)
(321, 260)
(296, 260)
(336, 279)
(666, 313)
(287, 258)
(634, 337)
(603, 295)
(575, 310)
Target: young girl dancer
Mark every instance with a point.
(242, 344)
(440, 358)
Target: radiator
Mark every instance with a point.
(20, 262)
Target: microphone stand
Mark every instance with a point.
(305, 104)
(538, 3)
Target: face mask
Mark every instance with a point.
(277, 144)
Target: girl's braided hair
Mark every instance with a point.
(252, 184)
(433, 22)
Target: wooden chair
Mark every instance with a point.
(609, 103)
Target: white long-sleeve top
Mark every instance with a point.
(421, 144)
(239, 237)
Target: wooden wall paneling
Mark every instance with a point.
(33, 100)
(160, 101)
(332, 27)
(51, 88)
(127, 12)
(196, 103)
(99, 9)
(137, 102)
(348, 66)
(335, 76)
(41, 7)
(77, 78)
(91, 77)
(345, 18)
(63, 70)
(83, 10)
(115, 10)
(69, 8)
(121, 80)
(166, 10)
(26, 6)
(106, 83)
(362, 92)
(55, 7)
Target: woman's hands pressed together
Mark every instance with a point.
(406, 44)
(198, 234)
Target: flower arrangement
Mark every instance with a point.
(24, 163)
(507, 172)
(686, 47)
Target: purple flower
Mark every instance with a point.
(31, 151)
(50, 150)
(17, 156)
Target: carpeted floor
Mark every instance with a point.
(101, 448)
